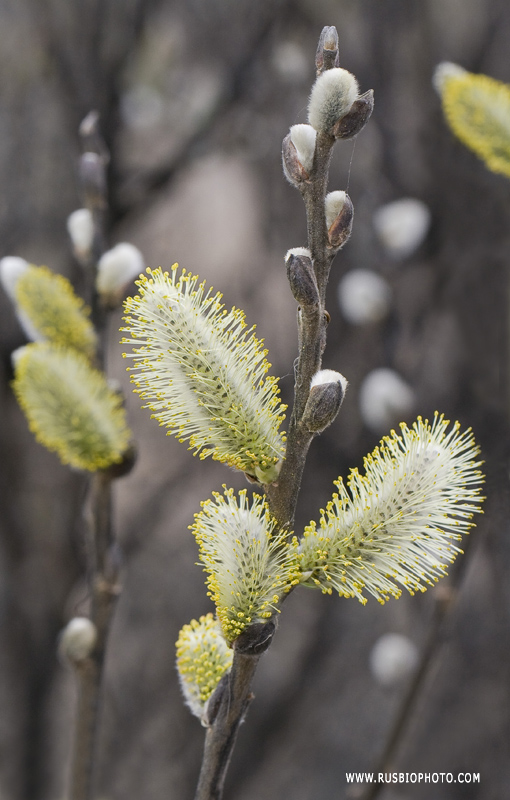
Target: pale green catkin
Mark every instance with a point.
(70, 408)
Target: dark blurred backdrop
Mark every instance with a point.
(195, 98)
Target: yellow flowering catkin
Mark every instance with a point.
(203, 373)
(395, 526)
(477, 109)
(203, 657)
(250, 565)
(54, 310)
(69, 407)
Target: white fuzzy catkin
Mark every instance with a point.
(303, 138)
(297, 251)
(392, 658)
(328, 376)
(384, 399)
(11, 270)
(78, 639)
(332, 96)
(333, 205)
(402, 226)
(364, 297)
(118, 267)
(290, 62)
(444, 71)
(80, 226)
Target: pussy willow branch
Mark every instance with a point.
(312, 323)
(101, 567)
(282, 497)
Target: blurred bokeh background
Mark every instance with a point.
(195, 97)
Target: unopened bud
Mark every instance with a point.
(329, 38)
(89, 126)
(93, 177)
(327, 391)
(327, 50)
(78, 639)
(116, 268)
(356, 119)
(124, 466)
(91, 138)
(302, 277)
(332, 97)
(255, 639)
(339, 217)
(80, 226)
(11, 270)
(293, 169)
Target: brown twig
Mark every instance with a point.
(312, 323)
(221, 735)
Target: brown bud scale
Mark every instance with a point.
(341, 228)
(357, 117)
(292, 166)
(302, 280)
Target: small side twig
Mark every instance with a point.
(102, 566)
(104, 588)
